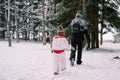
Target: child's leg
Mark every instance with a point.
(62, 61)
(56, 63)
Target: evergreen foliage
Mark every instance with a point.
(29, 12)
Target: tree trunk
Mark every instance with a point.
(84, 8)
(52, 11)
(17, 32)
(101, 36)
(102, 22)
(8, 25)
(54, 7)
(93, 18)
(43, 23)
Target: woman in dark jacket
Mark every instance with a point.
(77, 38)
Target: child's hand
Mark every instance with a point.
(51, 51)
(72, 48)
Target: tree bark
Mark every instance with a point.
(93, 20)
(17, 32)
(102, 22)
(43, 23)
(8, 25)
(84, 8)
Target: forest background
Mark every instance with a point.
(38, 20)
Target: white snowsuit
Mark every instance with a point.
(59, 44)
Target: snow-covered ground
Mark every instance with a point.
(33, 61)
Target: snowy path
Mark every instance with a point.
(33, 61)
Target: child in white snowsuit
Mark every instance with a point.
(59, 44)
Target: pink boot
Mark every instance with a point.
(55, 73)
